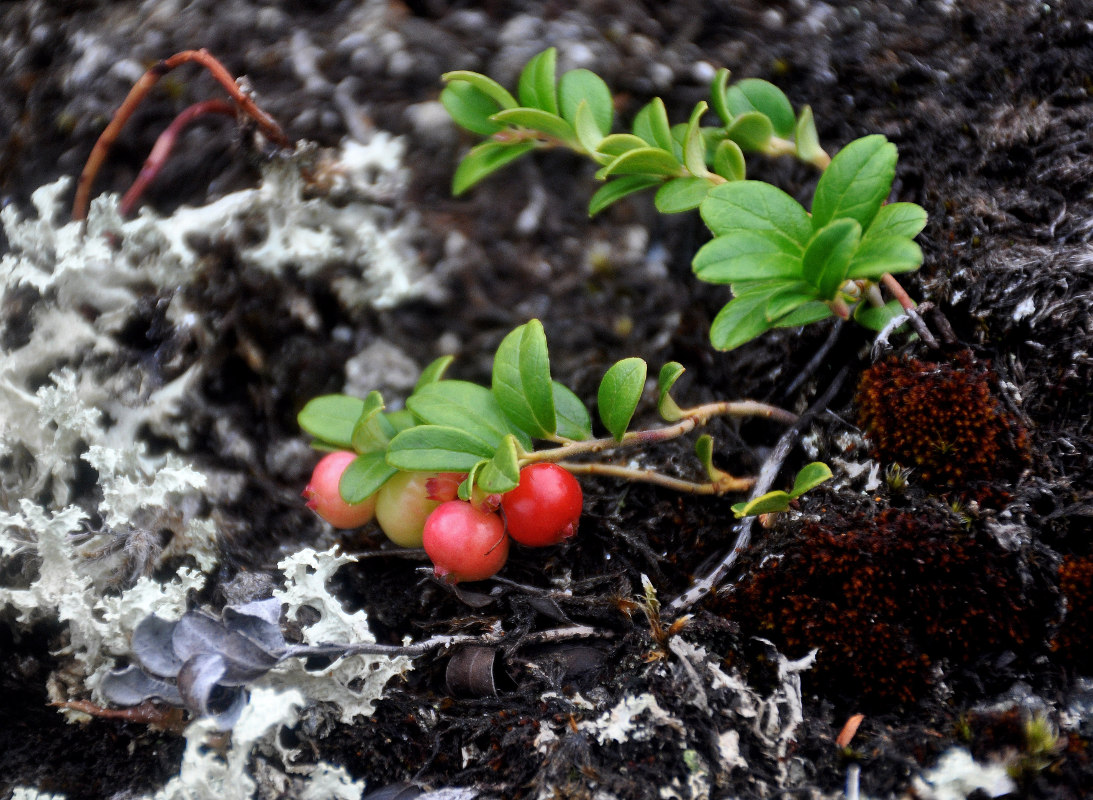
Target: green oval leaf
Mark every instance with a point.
(828, 255)
(857, 181)
(588, 134)
(502, 472)
(754, 94)
(880, 254)
(364, 476)
(751, 131)
(747, 256)
(521, 380)
(434, 448)
(643, 161)
(466, 406)
(537, 120)
(681, 194)
(372, 431)
(651, 124)
(331, 418)
(487, 86)
(470, 108)
(810, 476)
(877, 319)
(613, 191)
(897, 219)
(433, 372)
(667, 377)
(584, 86)
(619, 393)
(810, 312)
(574, 421)
(728, 161)
(537, 88)
(718, 99)
(807, 141)
(791, 297)
(756, 205)
(618, 143)
(770, 503)
(484, 159)
(742, 318)
(694, 146)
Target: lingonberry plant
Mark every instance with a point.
(786, 266)
(460, 447)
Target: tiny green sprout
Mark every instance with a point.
(1043, 744)
(785, 265)
(810, 476)
(896, 476)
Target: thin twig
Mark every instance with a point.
(767, 474)
(692, 418)
(908, 305)
(137, 94)
(163, 147)
(727, 484)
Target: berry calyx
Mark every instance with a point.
(324, 498)
(464, 542)
(402, 506)
(545, 506)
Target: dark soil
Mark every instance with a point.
(928, 604)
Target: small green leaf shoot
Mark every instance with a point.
(331, 418)
(856, 183)
(521, 380)
(615, 190)
(666, 406)
(484, 159)
(583, 86)
(537, 88)
(619, 393)
(364, 476)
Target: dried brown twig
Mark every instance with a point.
(242, 103)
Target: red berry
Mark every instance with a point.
(402, 506)
(325, 500)
(464, 542)
(545, 507)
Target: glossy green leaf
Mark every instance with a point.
(364, 476)
(897, 219)
(745, 255)
(584, 86)
(651, 124)
(433, 372)
(681, 194)
(372, 431)
(434, 448)
(470, 108)
(618, 143)
(791, 297)
(521, 380)
(401, 420)
(742, 318)
(810, 476)
(615, 190)
(755, 95)
(877, 318)
(728, 161)
(756, 205)
(537, 120)
(857, 181)
(502, 472)
(646, 161)
(770, 503)
(487, 86)
(807, 140)
(588, 133)
(810, 312)
(485, 159)
(574, 421)
(537, 88)
(751, 131)
(619, 393)
(704, 451)
(828, 255)
(667, 377)
(878, 255)
(718, 91)
(694, 146)
(331, 418)
(466, 406)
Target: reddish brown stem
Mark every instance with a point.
(136, 96)
(162, 149)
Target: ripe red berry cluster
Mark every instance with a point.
(467, 541)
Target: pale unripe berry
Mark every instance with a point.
(403, 505)
(324, 498)
(465, 543)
